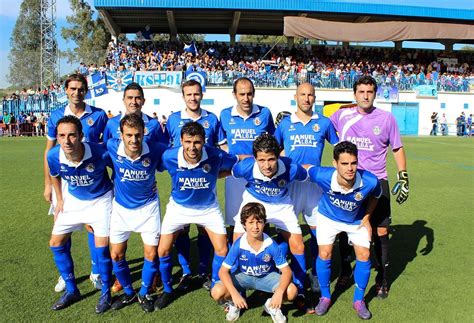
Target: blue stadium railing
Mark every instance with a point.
(33, 103)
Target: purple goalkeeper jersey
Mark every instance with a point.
(372, 133)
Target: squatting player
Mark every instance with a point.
(136, 207)
(241, 124)
(93, 122)
(87, 199)
(192, 97)
(268, 176)
(373, 130)
(194, 170)
(349, 198)
(257, 258)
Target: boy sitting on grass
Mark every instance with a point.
(257, 259)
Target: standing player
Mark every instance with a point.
(93, 122)
(268, 176)
(194, 170)
(257, 258)
(192, 96)
(242, 124)
(373, 130)
(87, 199)
(136, 206)
(349, 198)
(302, 135)
(134, 99)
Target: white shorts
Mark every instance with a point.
(281, 215)
(328, 230)
(76, 213)
(234, 188)
(178, 216)
(305, 197)
(144, 220)
(64, 188)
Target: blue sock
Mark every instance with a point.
(298, 266)
(323, 268)
(216, 265)
(361, 278)
(183, 245)
(165, 271)
(105, 267)
(205, 248)
(62, 258)
(122, 271)
(93, 253)
(313, 244)
(283, 245)
(148, 274)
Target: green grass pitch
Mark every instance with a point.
(432, 261)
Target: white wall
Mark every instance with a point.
(281, 99)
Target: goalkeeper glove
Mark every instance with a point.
(401, 187)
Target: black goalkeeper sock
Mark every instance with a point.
(346, 252)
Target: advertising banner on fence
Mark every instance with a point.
(426, 91)
(159, 79)
(387, 93)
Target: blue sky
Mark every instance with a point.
(9, 10)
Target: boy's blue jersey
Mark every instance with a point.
(209, 121)
(153, 130)
(93, 122)
(344, 206)
(304, 143)
(241, 132)
(272, 190)
(258, 263)
(134, 180)
(88, 179)
(195, 185)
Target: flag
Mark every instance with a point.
(211, 51)
(119, 80)
(191, 48)
(201, 77)
(97, 85)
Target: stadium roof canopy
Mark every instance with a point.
(265, 17)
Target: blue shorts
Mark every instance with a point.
(267, 283)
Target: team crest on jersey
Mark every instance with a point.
(146, 162)
(267, 257)
(281, 183)
(358, 196)
(232, 121)
(63, 168)
(90, 168)
(292, 128)
(181, 123)
(205, 124)
(90, 121)
(330, 192)
(206, 168)
(257, 121)
(145, 131)
(316, 127)
(376, 130)
(119, 159)
(243, 257)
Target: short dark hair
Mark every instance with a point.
(70, 119)
(191, 83)
(266, 143)
(132, 121)
(344, 147)
(134, 86)
(367, 80)
(242, 79)
(254, 209)
(76, 77)
(193, 128)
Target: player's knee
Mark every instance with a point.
(325, 254)
(291, 292)
(57, 241)
(221, 249)
(218, 292)
(163, 252)
(150, 254)
(117, 255)
(382, 231)
(363, 255)
(296, 245)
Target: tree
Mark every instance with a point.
(271, 40)
(89, 34)
(25, 46)
(186, 38)
(468, 48)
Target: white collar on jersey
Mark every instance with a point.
(258, 175)
(68, 112)
(294, 118)
(182, 163)
(335, 187)
(185, 115)
(244, 244)
(121, 150)
(63, 159)
(235, 113)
